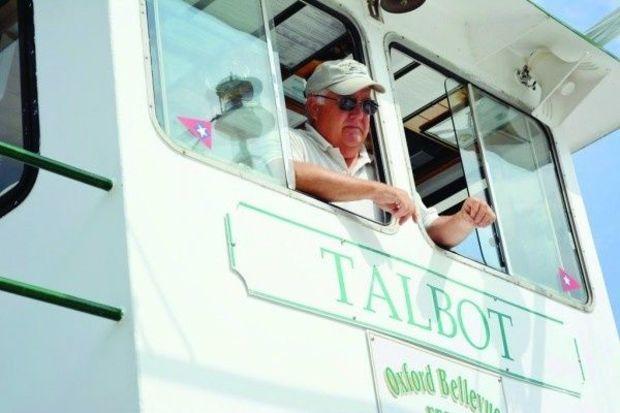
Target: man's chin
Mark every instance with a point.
(353, 138)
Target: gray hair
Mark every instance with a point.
(319, 101)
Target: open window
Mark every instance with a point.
(229, 78)
(305, 34)
(463, 143)
(18, 114)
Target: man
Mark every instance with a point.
(331, 161)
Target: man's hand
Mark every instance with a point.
(476, 212)
(395, 201)
(449, 230)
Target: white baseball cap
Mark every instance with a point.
(344, 77)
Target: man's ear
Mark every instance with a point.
(312, 108)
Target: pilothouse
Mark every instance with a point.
(160, 250)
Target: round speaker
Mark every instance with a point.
(400, 6)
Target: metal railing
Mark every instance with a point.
(60, 299)
(68, 171)
(40, 293)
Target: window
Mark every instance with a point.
(306, 34)
(18, 115)
(217, 77)
(464, 142)
(213, 83)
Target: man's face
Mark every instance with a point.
(346, 131)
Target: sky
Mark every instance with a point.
(596, 165)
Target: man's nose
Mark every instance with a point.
(357, 111)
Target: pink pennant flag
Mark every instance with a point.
(200, 129)
(568, 283)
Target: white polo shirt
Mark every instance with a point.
(309, 146)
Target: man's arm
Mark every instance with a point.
(334, 187)
(448, 231)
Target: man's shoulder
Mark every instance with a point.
(299, 141)
(298, 134)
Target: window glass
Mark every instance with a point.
(213, 83)
(461, 146)
(482, 244)
(435, 153)
(11, 130)
(535, 227)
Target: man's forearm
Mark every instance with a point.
(448, 231)
(331, 186)
(334, 187)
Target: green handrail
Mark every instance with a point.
(60, 299)
(36, 160)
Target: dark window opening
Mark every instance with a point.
(305, 34)
(18, 100)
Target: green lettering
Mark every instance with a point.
(462, 390)
(439, 310)
(339, 272)
(502, 330)
(453, 386)
(405, 373)
(473, 400)
(391, 382)
(410, 319)
(377, 279)
(485, 323)
(416, 384)
(430, 383)
(443, 383)
(403, 383)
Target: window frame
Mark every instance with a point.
(29, 107)
(149, 32)
(393, 40)
(360, 52)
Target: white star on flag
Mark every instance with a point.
(201, 131)
(568, 282)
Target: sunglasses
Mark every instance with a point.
(348, 103)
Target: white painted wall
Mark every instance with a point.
(68, 236)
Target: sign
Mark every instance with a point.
(409, 379)
(365, 286)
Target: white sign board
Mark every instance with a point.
(409, 379)
(368, 287)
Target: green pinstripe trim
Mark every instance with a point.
(230, 243)
(402, 260)
(583, 376)
(436, 349)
